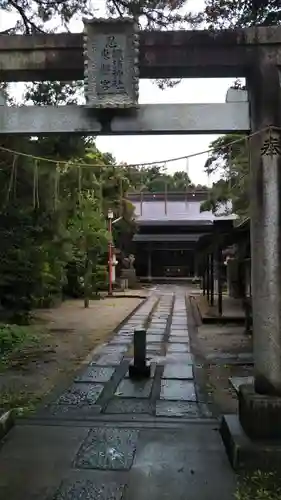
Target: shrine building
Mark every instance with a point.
(170, 226)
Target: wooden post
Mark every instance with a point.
(204, 277)
(141, 201)
(212, 278)
(166, 187)
(219, 275)
(208, 277)
(149, 268)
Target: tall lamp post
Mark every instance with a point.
(110, 217)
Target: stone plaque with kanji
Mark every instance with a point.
(111, 63)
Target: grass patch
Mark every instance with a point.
(259, 486)
(19, 345)
(13, 338)
(21, 402)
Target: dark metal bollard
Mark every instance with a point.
(139, 369)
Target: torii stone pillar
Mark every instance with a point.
(260, 407)
(265, 164)
(257, 430)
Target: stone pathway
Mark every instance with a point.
(107, 437)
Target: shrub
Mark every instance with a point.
(13, 336)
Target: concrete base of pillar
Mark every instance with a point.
(245, 453)
(139, 371)
(259, 415)
(253, 438)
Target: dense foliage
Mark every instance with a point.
(48, 15)
(230, 159)
(41, 202)
(55, 198)
(157, 179)
(35, 15)
(53, 224)
(236, 13)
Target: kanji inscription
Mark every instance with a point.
(271, 145)
(111, 52)
(111, 74)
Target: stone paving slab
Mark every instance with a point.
(121, 405)
(177, 390)
(178, 333)
(155, 348)
(178, 357)
(109, 359)
(35, 458)
(177, 371)
(108, 448)
(177, 409)
(68, 412)
(134, 389)
(155, 331)
(189, 465)
(179, 339)
(113, 349)
(96, 374)
(121, 340)
(153, 354)
(177, 348)
(92, 485)
(81, 393)
(154, 338)
(173, 358)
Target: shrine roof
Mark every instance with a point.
(176, 209)
(167, 237)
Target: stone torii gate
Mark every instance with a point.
(254, 53)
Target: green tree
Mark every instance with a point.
(29, 229)
(35, 15)
(229, 159)
(179, 181)
(156, 179)
(236, 13)
(40, 201)
(90, 237)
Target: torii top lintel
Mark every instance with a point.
(170, 54)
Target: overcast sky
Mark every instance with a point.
(136, 149)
